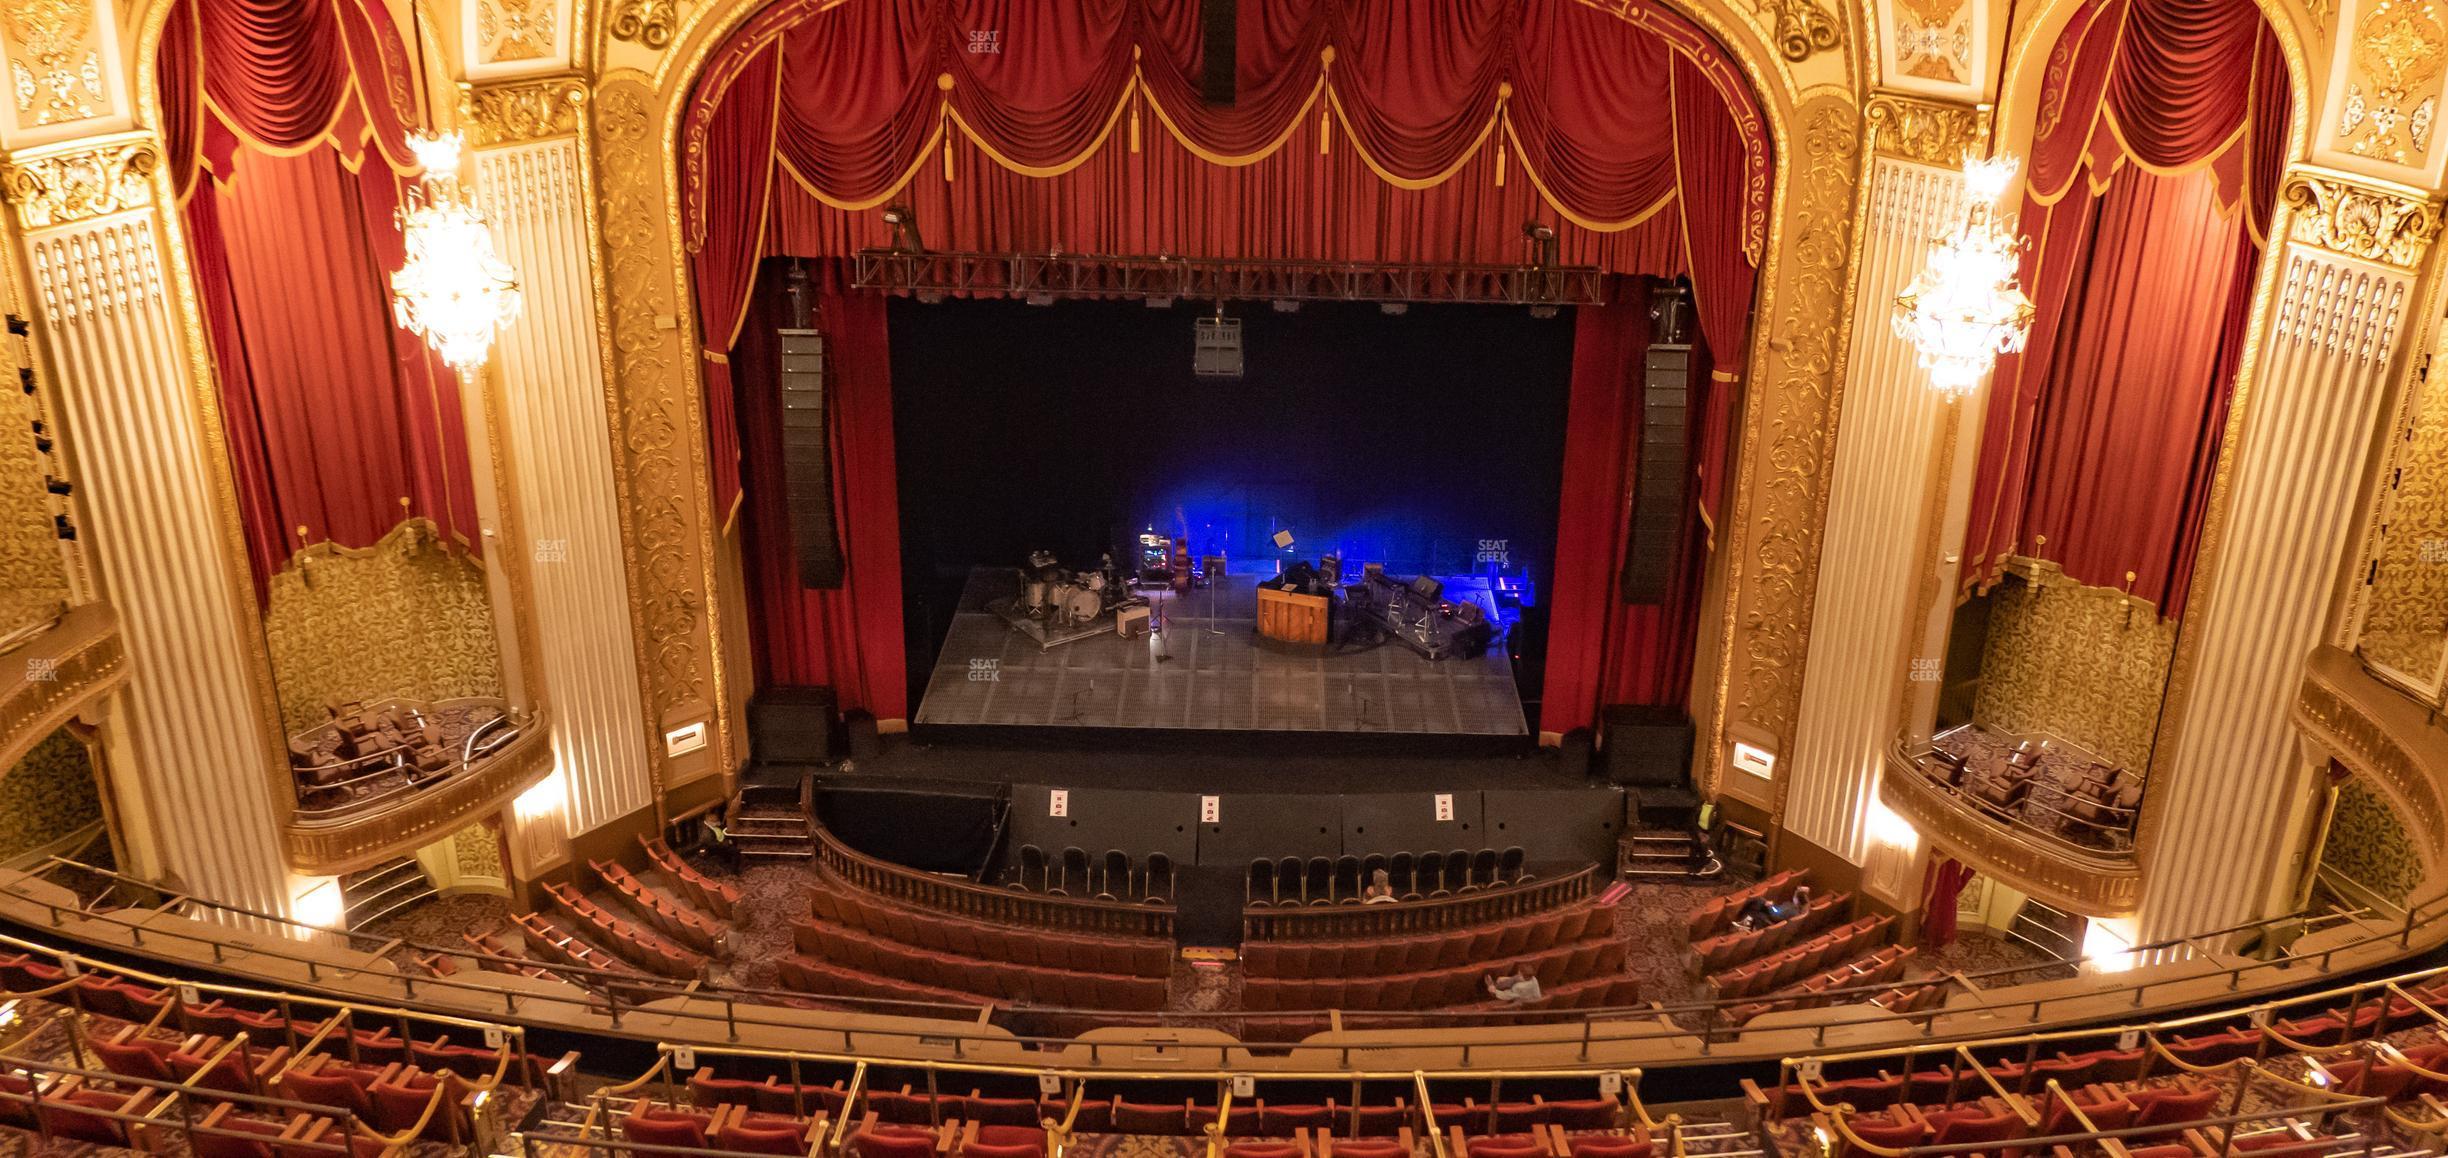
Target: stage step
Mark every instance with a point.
(1669, 853)
(773, 830)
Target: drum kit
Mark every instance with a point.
(1067, 598)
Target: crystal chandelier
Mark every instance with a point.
(453, 291)
(1965, 309)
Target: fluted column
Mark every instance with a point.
(1884, 498)
(558, 442)
(193, 739)
(2230, 789)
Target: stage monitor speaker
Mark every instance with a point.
(791, 726)
(1554, 827)
(1662, 484)
(1647, 747)
(807, 459)
(1219, 34)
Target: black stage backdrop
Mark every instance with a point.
(1403, 439)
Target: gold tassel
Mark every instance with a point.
(947, 151)
(1500, 163)
(1325, 131)
(1134, 121)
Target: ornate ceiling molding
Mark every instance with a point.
(2359, 218)
(1803, 29)
(1932, 132)
(517, 112)
(94, 179)
(2093, 886)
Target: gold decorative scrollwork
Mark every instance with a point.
(668, 601)
(1795, 432)
(1931, 132)
(54, 60)
(512, 30)
(59, 188)
(2082, 663)
(404, 617)
(2358, 219)
(647, 22)
(2094, 886)
(510, 114)
(1804, 29)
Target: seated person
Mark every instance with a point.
(1380, 890)
(1760, 912)
(1515, 988)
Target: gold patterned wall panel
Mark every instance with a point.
(2396, 58)
(403, 617)
(33, 574)
(2368, 843)
(2405, 622)
(2083, 663)
(49, 794)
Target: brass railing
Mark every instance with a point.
(963, 898)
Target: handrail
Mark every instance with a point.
(1403, 918)
(963, 898)
(725, 1012)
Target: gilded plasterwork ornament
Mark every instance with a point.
(55, 67)
(648, 22)
(2392, 97)
(514, 30)
(2359, 221)
(1932, 39)
(68, 187)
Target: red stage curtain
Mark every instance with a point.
(334, 415)
(735, 161)
(848, 638)
(1364, 130)
(1942, 885)
(1601, 650)
(2153, 172)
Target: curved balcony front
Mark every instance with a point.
(2064, 875)
(476, 788)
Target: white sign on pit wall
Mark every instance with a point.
(1211, 810)
(1444, 806)
(1755, 760)
(1058, 802)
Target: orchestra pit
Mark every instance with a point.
(1223, 579)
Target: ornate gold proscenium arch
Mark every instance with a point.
(1750, 683)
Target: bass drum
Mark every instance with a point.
(1033, 594)
(1077, 604)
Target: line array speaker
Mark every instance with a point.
(1661, 485)
(807, 459)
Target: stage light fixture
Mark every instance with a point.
(1163, 302)
(904, 225)
(1543, 244)
(1040, 298)
(1285, 306)
(1215, 346)
(1393, 309)
(930, 297)
(1543, 311)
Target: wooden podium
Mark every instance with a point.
(1291, 618)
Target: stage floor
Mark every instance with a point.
(1206, 671)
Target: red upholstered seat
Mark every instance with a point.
(1969, 1127)
(1594, 1114)
(1370, 1148)
(1886, 1132)
(891, 1142)
(334, 1089)
(1142, 1118)
(1505, 1146)
(72, 1115)
(763, 1134)
(137, 1058)
(1000, 1111)
(1282, 1121)
(665, 1128)
(205, 1144)
(1607, 1146)
(2172, 1105)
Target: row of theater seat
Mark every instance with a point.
(674, 918)
(962, 937)
(2170, 1107)
(642, 946)
(1879, 967)
(1433, 988)
(1717, 915)
(717, 897)
(547, 940)
(820, 978)
(1445, 950)
(1787, 966)
(1003, 980)
(497, 956)
(1726, 950)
